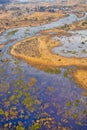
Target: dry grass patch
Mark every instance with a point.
(81, 77)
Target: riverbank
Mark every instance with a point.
(41, 52)
(37, 52)
(10, 21)
(79, 25)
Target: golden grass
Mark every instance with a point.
(46, 43)
(81, 77)
(50, 60)
(80, 25)
(8, 20)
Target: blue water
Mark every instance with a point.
(30, 96)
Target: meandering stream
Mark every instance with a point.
(31, 98)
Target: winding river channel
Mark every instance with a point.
(32, 99)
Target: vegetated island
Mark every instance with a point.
(37, 51)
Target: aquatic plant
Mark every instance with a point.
(47, 122)
(20, 126)
(75, 116)
(1, 112)
(84, 23)
(50, 89)
(84, 112)
(77, 103)
(36, 126)
(67, 73)
(12, 32)
(69, 103)
(28, 102)
(32, 81)
(53, 71)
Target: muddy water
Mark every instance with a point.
(32, 99)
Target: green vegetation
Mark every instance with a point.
(28, 102)
(1, 112)
(32, 81)
(66, 74)
(75, 116)
(79, 123)
(69, 103)
(1, 70)
(53, 71)
(12, 32)
(84, 23)
(50, 89)
(85, 112)
(86, 103)
(36, 126)
(20, 126)
(77, 103)
(65, 27)
(84, 51)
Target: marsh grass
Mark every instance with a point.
(11, 33)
